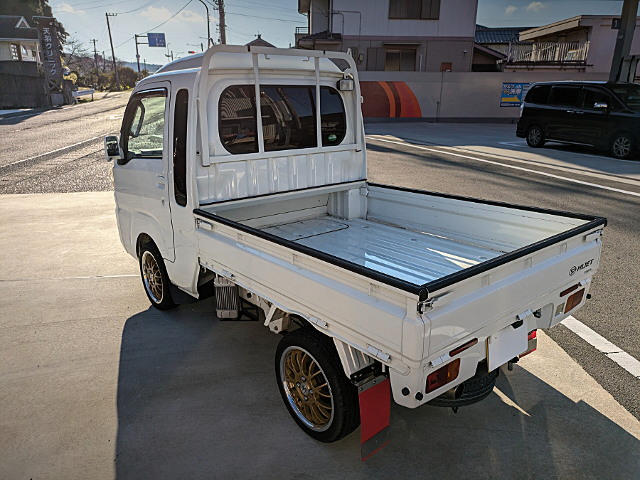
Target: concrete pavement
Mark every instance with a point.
(96, 384)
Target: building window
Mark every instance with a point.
(15, 49)
(414, 9)
(400, 60)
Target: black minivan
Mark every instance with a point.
(605, 115)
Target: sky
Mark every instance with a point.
(185, 27)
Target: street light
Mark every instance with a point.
(208, 28)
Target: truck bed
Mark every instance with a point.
(413, 256)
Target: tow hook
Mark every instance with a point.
(511, 362)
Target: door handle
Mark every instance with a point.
(579, 112)
(160, 181)
(571, 111)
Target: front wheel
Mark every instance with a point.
(317, 393)
(155, 278)
(535, 137)
(622, 146)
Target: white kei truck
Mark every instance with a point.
(241, 172)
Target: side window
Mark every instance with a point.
(333, 117)
(288, 118)
(180, 147)
(564, 96)
(538, 94)
(143, 129)
(237, 113)
(593, 96)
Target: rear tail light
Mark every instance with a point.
(443, 375)
(574, 300)
(569, 290)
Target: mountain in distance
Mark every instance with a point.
(151, 67)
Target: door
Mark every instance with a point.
(594, 125)
(140, 177)
(563, 100)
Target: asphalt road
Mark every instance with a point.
(59, 150)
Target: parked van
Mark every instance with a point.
(604, 115)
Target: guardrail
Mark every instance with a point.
(548, 52)
(80, 93)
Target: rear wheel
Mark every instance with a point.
(622, 146)
(535, 136)
(154, 278)
(317, 393)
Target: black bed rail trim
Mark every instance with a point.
(222, 202)
(428, 288)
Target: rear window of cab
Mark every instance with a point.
(288, 118)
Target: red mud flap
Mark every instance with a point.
(375, 405)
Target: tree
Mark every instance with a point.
(31, 8)
(75, 53)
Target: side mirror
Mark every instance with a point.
(601, 105)
(111, 148)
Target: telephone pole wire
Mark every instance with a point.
(95, 57)
(223, 32)
(113, 52)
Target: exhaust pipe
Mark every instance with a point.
(454, 393)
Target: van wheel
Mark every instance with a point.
(317, 393)
(622, 146)
(535, 137)
(154, 277)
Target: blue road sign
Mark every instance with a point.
(156, 40)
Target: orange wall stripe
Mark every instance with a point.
(409, 106)
(392, 101)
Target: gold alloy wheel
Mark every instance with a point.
(307, 388)
(152, 276)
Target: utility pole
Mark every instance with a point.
(113, 52)
(95, 57)
(623, 41)
(103, 58)
(223, 32)
(138, 54)
(208, 28)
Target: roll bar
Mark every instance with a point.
(203, 91)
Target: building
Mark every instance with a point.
(584, 42)
(259, 42)
(498, 38)
(393, 35)
(18, 40)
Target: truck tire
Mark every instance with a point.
(317, 393)
(154, 277)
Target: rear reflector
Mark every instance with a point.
(574, 300)
(462, 348)
(443, 375)
(532, 343)
(569, 290)
(532, 334)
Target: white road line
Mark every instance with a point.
(522, 169)
(65, 278)
(52, 151)
(524, 145)
(622, 358)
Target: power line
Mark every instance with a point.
(157, 26)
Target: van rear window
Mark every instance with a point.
(288, 118)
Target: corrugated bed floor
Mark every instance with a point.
(414, 257)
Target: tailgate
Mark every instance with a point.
(532, 282)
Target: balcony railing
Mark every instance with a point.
(572, 53)
(302, 30)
